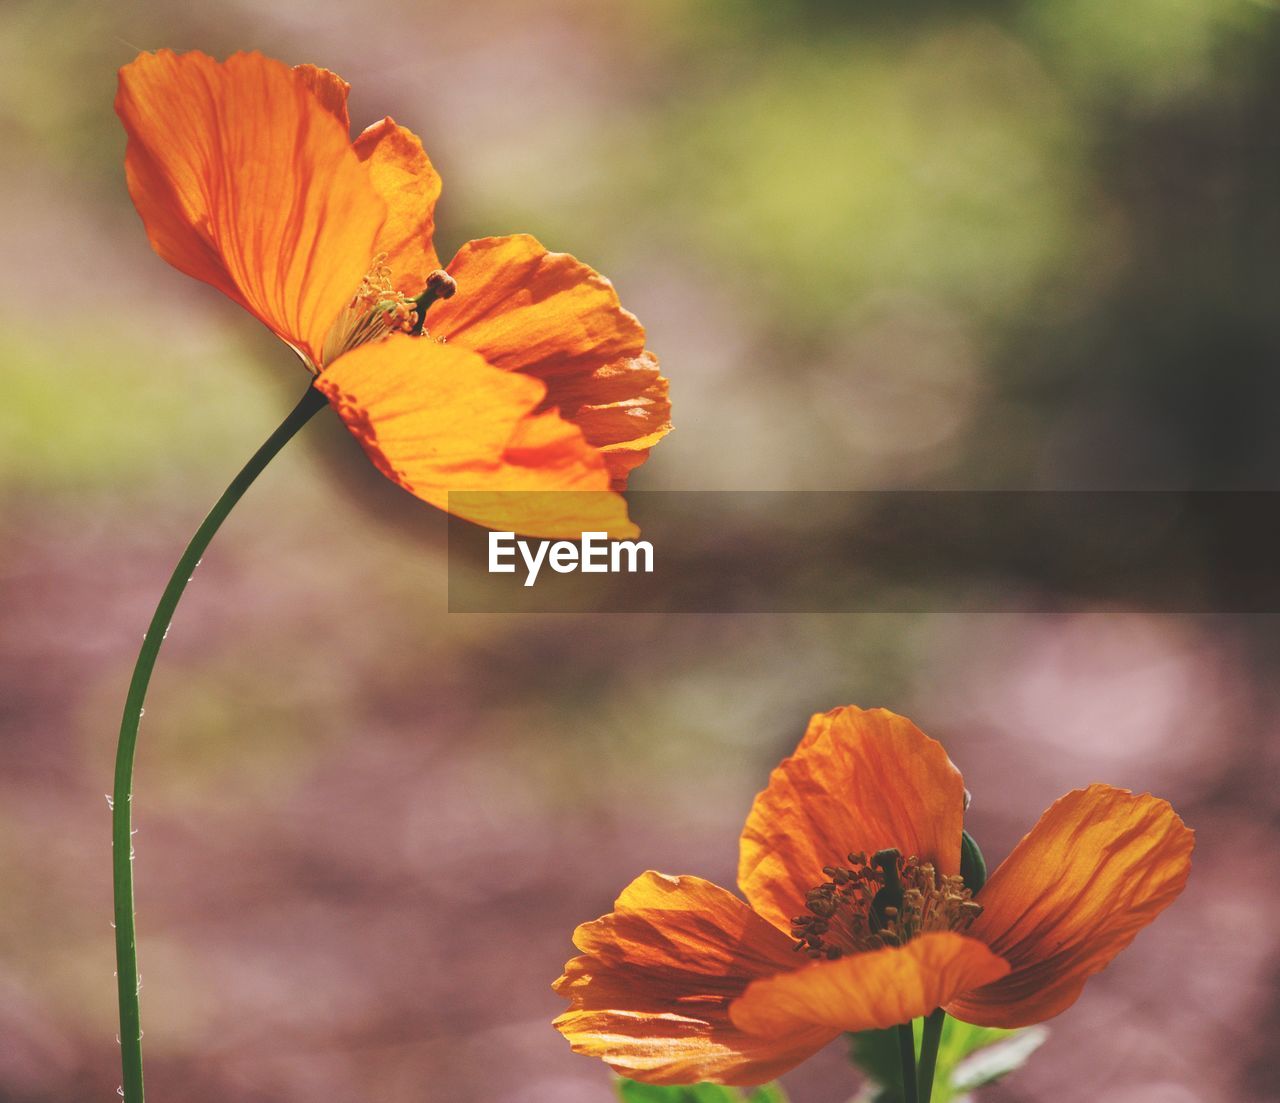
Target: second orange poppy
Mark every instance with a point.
(856, 917)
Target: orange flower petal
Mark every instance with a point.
(610, 423)
(1099, 866)
(860, 780)
(651, 992)
(330, 89)
(870, 991)
(410, 185)
(434, 419)
(550, 316)
(401, 173)
(246, 180)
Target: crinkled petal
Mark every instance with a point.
(1099, 866)
(434, 419)
(859, 781)
(245, 179)
(550, 316)
(869, 991)
(650, 994)
(408, 182)
(619, 401)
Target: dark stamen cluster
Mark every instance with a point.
(886, 901)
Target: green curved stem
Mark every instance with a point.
(907, 1054)
(929, 1040)
(121, 818)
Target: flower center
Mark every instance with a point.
(377, 309)
(886, 901)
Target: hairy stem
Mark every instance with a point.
(121, 812)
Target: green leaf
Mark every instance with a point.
(999, 1058)
(973, 866)
(875, 1052)
(632, 1091)
(968, 1057)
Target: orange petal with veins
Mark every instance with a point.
(436, 419)
(1099, 866)
(549, 316)
(869, 991)
(330, 89)
(403, 175)
(246, 179)
(651, 992)
(859, 781)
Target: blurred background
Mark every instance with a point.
(992, 244)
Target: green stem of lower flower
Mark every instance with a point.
(121, 800)
(907, 1054)
(929, 1040)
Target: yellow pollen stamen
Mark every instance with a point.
(377, 309)
(844, 919)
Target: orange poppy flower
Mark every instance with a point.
(685, 982)
(531, 377)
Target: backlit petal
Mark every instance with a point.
(859, 781)
(407, 181)
(550, 316)
(870, 991)
(651, 992)
(330, 89)
(1099, 866)
(434, 419)
(619, 401)
(245, 179)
